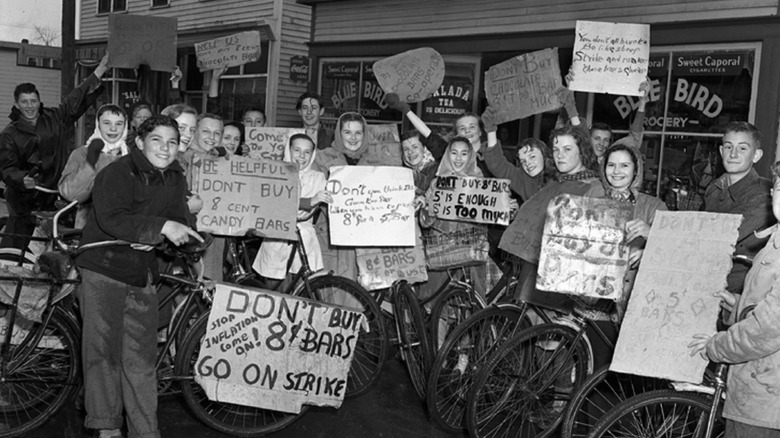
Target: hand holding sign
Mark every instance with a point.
(414, 75)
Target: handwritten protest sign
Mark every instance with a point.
(467, 199)
(380, 267)
(524, 85)
(413, 75)
(228, 51)
(687, 258)
(583, 249)
(241, 193)
(610, 57)
(372, 206)
(384, 145)
(276, 351)
(142, 39)
(269, 143)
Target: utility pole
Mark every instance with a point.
(68, 56)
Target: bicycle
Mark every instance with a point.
(528, 381)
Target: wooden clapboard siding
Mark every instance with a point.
(403, 19)
(192, 14)
(296, 31)
(47, 81)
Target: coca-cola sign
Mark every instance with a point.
(299, 69)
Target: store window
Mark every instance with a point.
(107, 6)
(239, 87)
(350, 85)
(695, 92)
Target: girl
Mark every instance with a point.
(271, 260)
(418, 158)
(233, 138)
(104, 146)
(459, 160)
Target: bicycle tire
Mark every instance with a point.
(371, 348)
(453, 307)
(235, 420)
(662, 413)
(38, 384)
(599, 393)
(527, 382)
(415, 348)
(474, 340)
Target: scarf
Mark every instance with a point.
(117, 148)
(579, 176)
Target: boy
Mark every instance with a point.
(310, 109)
(138, 198)
(752, 345)
(741, 191)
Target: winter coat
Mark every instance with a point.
(132, 200)
(48, 143)
(751, 198)
(752, 345)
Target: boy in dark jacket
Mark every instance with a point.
(139, 198)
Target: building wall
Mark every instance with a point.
(295, 33)
(47, 80)
(403, 19)
(192, 14)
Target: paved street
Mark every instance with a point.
(390, 410)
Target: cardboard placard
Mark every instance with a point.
(524, 85)
(583, 248)
(269, 143)
(142, 39)
(686, 260)
(228, 51)
(379, 267)
(240, 193)
(384, 145)
(276, 351)
(372, 206)
(414, 75)
(610, 57)
(469, 199)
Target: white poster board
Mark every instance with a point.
(686, 260)
(276, 351)
(372, 206)
(267, 143)
(610, 58)
(470, 199)
(228, 51)
(380, 267)
(414, 75)
(240, 193)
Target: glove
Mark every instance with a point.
(566, 98)
(489, 119)
(394, 102)
(94, 149)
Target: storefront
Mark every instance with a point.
(704, 74)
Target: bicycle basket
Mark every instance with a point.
(456, 248)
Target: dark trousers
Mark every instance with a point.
(21, 204)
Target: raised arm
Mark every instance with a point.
(435, 144)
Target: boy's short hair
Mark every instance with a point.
(300, 136)
(253, 109)
(25, 88)
(138, 106)
(308, 95)
(153, 122)
(175, 110)
(747, 128)
(113, 109)
(209, 116)
(601, 127)
(412, 133)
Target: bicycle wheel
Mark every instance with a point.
(600, 392)
(659, 414)
(371, 348)
(415, 347)
(236, 420)
(462, 356)
(453, 307)
(40, 379)
(526, 384)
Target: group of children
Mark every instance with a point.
(132, 181)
